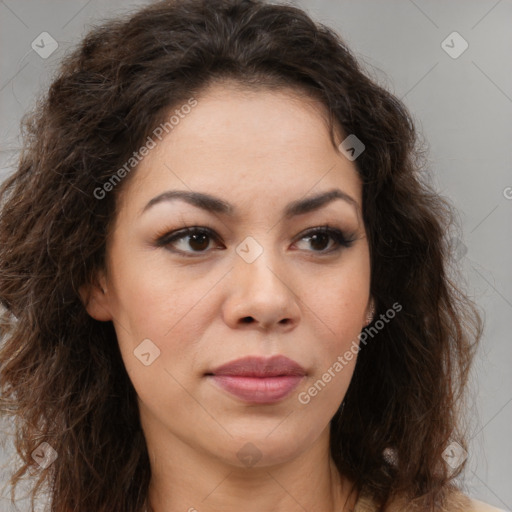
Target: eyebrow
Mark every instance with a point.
(214, 204)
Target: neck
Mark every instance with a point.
(184, 479)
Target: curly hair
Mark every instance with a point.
(62, 377)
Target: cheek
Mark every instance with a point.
(321, 396)
(339, 307)
(339, 302)
(153, 300)
(157, 324)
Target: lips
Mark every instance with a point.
(259, 380)
(275, 366)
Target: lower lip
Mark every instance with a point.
(265, 390)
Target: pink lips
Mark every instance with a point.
(259, 380)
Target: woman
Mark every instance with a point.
(225, 285)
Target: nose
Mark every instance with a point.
(261, 296)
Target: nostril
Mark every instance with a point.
(247, 320)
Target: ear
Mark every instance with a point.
(370, 312)
(95, 298)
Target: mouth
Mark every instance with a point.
(258, 380)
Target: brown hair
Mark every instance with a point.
(62, 377)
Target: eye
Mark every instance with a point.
(327, 239)
(188, 241)
(196, 240)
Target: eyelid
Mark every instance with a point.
(343, 239)
(167, 236)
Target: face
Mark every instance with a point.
(240, 235)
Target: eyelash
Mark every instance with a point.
(340, 238)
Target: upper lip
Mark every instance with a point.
(256, 366)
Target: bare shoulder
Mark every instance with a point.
(460, 502)
(457, 502)
(480, 506)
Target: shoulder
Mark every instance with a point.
(480, 506)
(458, 502)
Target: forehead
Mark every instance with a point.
(245, 142)
(273, 115)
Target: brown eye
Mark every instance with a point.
(189, 242)
(199, 242)
(326, 239)
(319, 241)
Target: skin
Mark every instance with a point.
(258, 150)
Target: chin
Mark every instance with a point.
(266, 448)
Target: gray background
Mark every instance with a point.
(463, 109)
